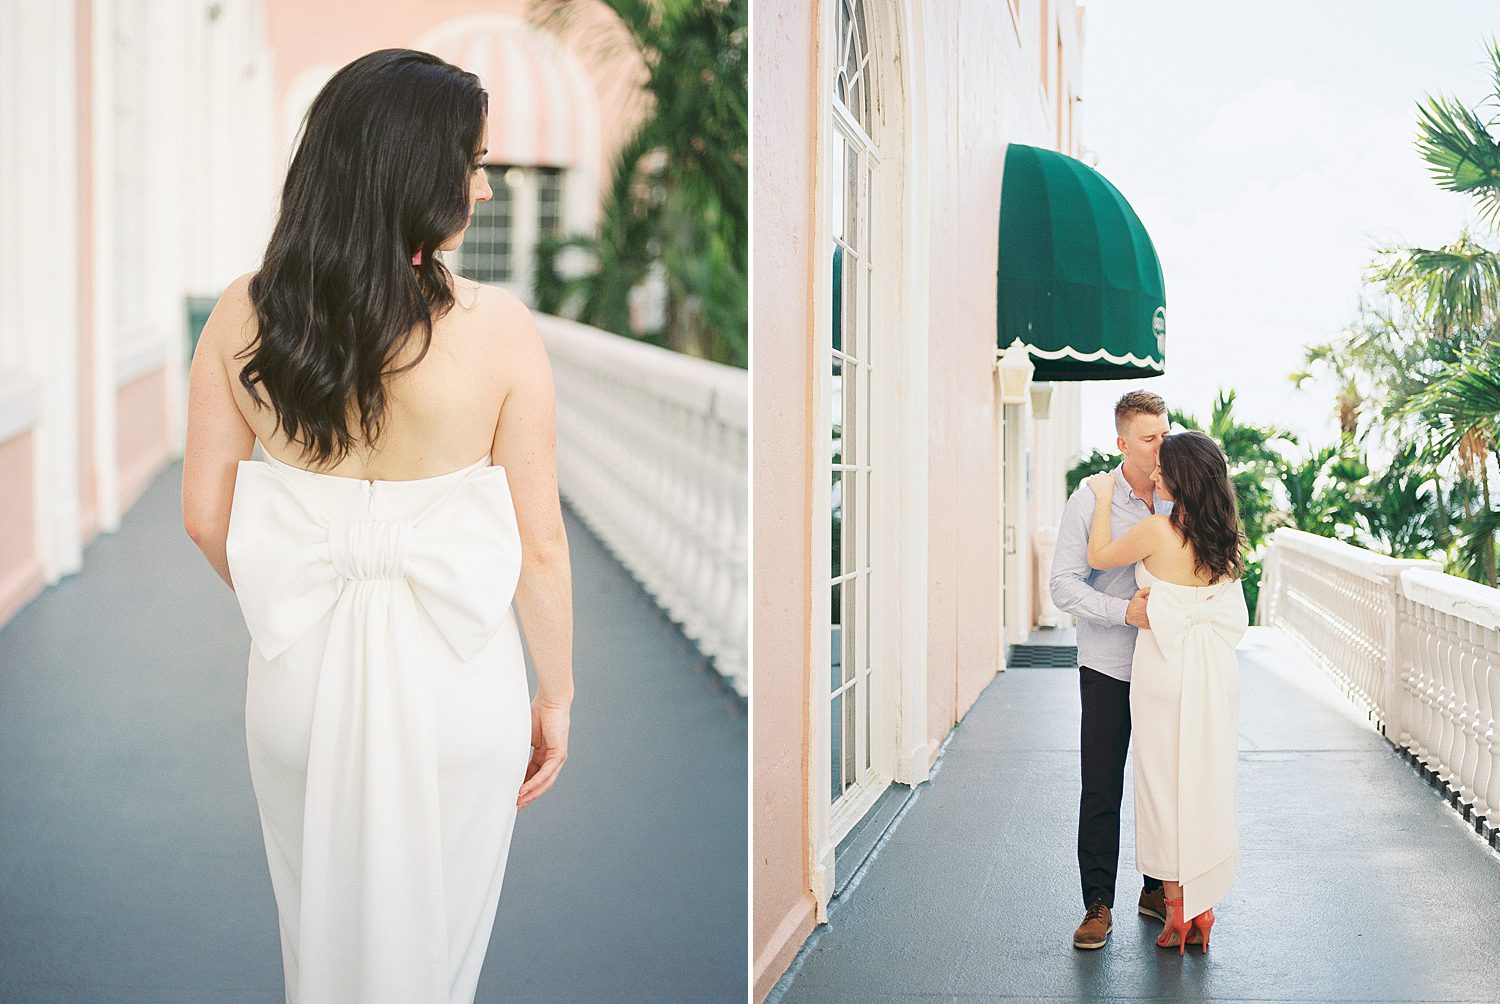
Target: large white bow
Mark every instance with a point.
(1175, 613)
(290, 561)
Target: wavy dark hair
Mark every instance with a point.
(381, 170)
(1204, 511)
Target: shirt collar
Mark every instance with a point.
(1160, 505)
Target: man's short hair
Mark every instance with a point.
(1137, 402)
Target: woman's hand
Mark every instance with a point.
(549, 742)
(1101, 484)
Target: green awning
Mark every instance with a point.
(1079, 281)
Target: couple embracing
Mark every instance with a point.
(1149, 559)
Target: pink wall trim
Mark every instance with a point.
(141, 434)
(88, 511)
(782, 946)
(22, 575)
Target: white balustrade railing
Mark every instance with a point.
(1450, 683)
(1417, 650)
(1339, 602)
(653, 454)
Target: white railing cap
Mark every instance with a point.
(1348, 557)
(1470, 601)
(702, 384)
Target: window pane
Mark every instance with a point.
(549, 202)
(840, 197)
(866, 698)
(867, 518)
(487, 251)
(852, 632)
(835, 743)
(850, 192)
(838, 301)
(838, 564)
(836, 737)
(847, 385)
(850, 774)
(851, 283)
(837, 393)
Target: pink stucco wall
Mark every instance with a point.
(780, 308)
(979, 90)
(20, 567)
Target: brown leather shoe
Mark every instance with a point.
(1094, 931)
(1154, 903)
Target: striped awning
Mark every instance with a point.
(543, 110)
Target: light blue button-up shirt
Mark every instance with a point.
(1099, 598)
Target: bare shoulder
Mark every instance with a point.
(509, 321)
(1160, 525)
(232, 324)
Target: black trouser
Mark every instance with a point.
(1105, 739)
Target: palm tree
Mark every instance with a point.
(1398, 509)
(1320, 489)
(679, 200)
(1436, 361)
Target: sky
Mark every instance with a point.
(1268, 148)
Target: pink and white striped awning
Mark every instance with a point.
(543, 110)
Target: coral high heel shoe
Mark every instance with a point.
(1201, 925)
(1174, 934)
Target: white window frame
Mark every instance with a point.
(898, 308)
(869, 782)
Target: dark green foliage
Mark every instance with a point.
(680, 192)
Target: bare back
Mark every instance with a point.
(441, 414)
(1172, 559)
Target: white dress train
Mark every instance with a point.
(1184, 713)
(387, 721)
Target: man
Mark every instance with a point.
(1110, 610)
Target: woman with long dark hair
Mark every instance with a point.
(405, 516)
(1185, 689)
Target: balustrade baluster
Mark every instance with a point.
(653, 455)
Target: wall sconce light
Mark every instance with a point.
(1015, 369)
(1041, 399)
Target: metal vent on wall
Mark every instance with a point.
(1042, 657)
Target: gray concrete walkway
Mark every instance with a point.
(131, 862)
(1356, 881)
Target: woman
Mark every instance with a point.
(408, 496)
(1184, 691)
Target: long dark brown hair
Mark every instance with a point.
(382, 169)
(1204, 511)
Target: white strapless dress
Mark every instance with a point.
(1184, 714)
(387, 721)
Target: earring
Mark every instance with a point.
(416, 259)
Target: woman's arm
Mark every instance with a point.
(1106, 552)
(217, 436)
(525, 445)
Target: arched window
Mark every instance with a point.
(854, 156)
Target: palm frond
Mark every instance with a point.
(1457, 283)
(1461, 154)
